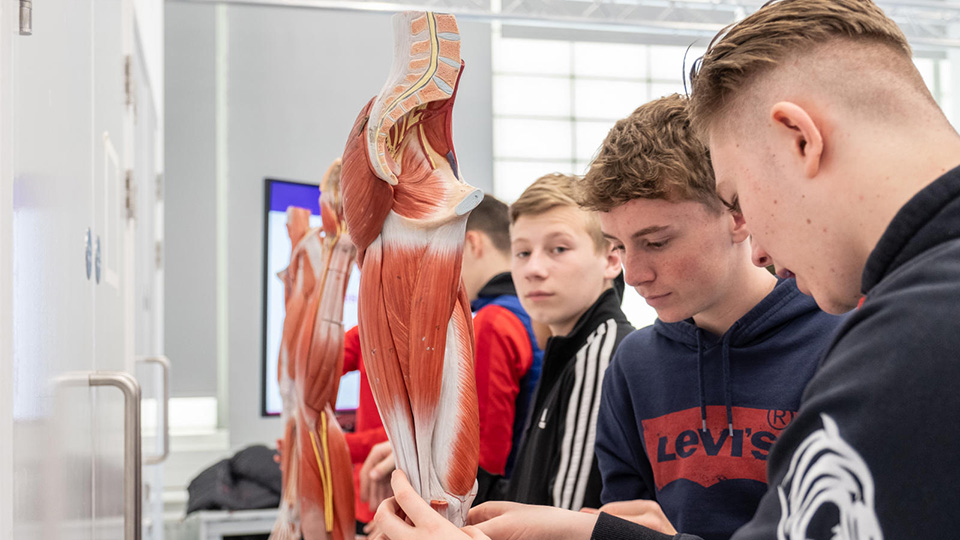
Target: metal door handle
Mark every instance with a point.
(132, 486)
(164, 363)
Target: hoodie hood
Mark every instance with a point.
(773, 312)
(778, 309)
(499, 285)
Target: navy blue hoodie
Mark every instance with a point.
(688, 418)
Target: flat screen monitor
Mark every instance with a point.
(281, 194)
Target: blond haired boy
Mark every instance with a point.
(563, 269)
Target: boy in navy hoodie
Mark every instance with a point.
(692, 404)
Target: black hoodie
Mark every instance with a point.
(874, 451)
(556, 464)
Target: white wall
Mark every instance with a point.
(295, 80)
(190, 198)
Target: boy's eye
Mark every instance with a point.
(521, 254)
(560, 249)
(656, 245)
(619, 247)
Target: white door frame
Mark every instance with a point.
(8, 11)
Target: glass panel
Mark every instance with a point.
(660, 89)
(518, 138)
(925, 66)
(667, 62)
(607, 99)
(533, 96)
(610, 60)
(581, 168)
(945, 77)
(589, 137)
(638, 312)
(510, 178)
(531, 56)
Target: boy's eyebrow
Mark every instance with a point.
(549, 236)
(649, 230)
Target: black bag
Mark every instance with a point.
(249, 480)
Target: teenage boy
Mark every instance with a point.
(564, 270)
(692, 404)
(845, 170)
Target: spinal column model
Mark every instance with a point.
(317, 472)
(407, 207)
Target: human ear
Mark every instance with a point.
(472, 243)
(738, 226)
(803, 132)
(612, 265)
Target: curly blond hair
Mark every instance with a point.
(651, 154)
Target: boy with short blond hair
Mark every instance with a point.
(824, 134)
(564, 271)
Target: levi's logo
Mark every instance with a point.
(679, 448)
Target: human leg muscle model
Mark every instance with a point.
(406, 207)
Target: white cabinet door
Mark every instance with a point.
(53, 329)
(64, 98)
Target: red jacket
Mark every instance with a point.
(369, 429)
(504, 355)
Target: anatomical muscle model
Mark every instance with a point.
(407, 207)
(294, 279)
(317, 472)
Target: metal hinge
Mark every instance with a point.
(26, 17)
(159, 194)
(130, 199)
(128, 79)
(158, 256)
(128, 88)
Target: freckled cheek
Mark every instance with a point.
(679, 270)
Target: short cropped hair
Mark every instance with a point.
(492, 217)
(552, 191)
(651, 154)
(779, 29)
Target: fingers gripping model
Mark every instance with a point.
(406, 207)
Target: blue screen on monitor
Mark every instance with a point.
(281, 194)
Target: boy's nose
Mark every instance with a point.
(535, 266)
(760, 256)
(636, 271)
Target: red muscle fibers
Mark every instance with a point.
(406, 207)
